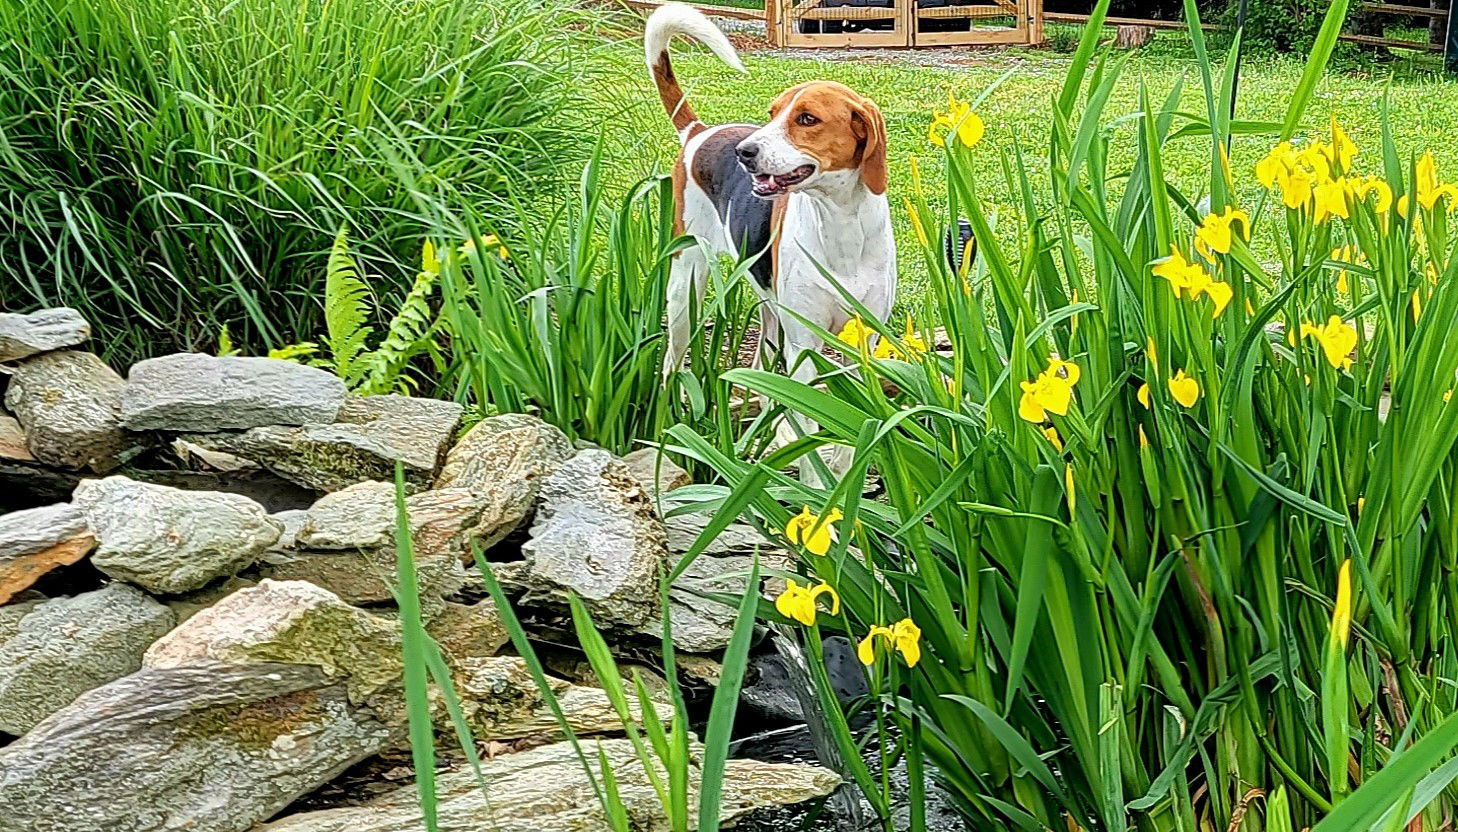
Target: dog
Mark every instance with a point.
(804, 192)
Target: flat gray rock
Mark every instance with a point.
(205, 747)
(546, 788)
(370, 435)
(34, 529)
(658, 473)
(66, 646)
(43, 330)
(68, 403)
(700, 624)
(596, 535)
(503, 460)
(346, 543)
(194, 392)
(34, 541)
(168, 540)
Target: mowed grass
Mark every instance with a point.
(1424, 110)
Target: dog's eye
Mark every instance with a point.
(806, 120)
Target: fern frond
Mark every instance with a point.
(225, 342)
(293, 352)
(346, 312)
(405, 336)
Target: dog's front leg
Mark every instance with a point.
(687, 278)
(799, 342)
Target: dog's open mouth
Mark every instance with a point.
(773, 185)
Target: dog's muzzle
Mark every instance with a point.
(769, 185)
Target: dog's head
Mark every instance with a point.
(816, 129)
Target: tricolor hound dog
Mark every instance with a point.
(807, 188)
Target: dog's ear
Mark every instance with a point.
(870, 128)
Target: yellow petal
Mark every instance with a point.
(865, 651)
(1052, 435)
(1220, 294)
(1071, 492)
(1341, 614)
(1055, 395)
(826, 589)
(1028, 407)
(1184, 389)
(1143, 395)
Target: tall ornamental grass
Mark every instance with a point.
(170, 167)
(1169, 534)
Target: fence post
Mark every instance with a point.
(1450, 42)
(1035, 22)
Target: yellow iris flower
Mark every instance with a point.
(798, 602)
(1337, 340)
(1184, 389)
(1276, 164)
(811, 531)
(856, 333)
(1050, 392)
(903, 636)
(1366, 186)
(1143, 395)
(1429, 188)
(958, 119)
(913, 344)
(1331, 199)
(1181, 273)
(487, 242)
(1342, 149)
(1191, 279)
(1217, 234)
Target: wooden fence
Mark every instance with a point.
(901, 23)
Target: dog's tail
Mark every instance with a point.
(678, 19)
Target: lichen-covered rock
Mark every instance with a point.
(347, 541)
(68, 403)
(546, 788)
(168, 540)
(35, 541)
(12, 441)
(66, 646)
(195, 392)
(292, 622)
(205, 748)
(500, 700)
(657, 473)
(369, 436)
(474, 631)
(701, 624)
(13, 612)
(43, 330)
(503, 460)
(735, 539)
(597, 535)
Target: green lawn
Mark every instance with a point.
(1424, 110)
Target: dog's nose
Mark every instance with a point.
(747, 151)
